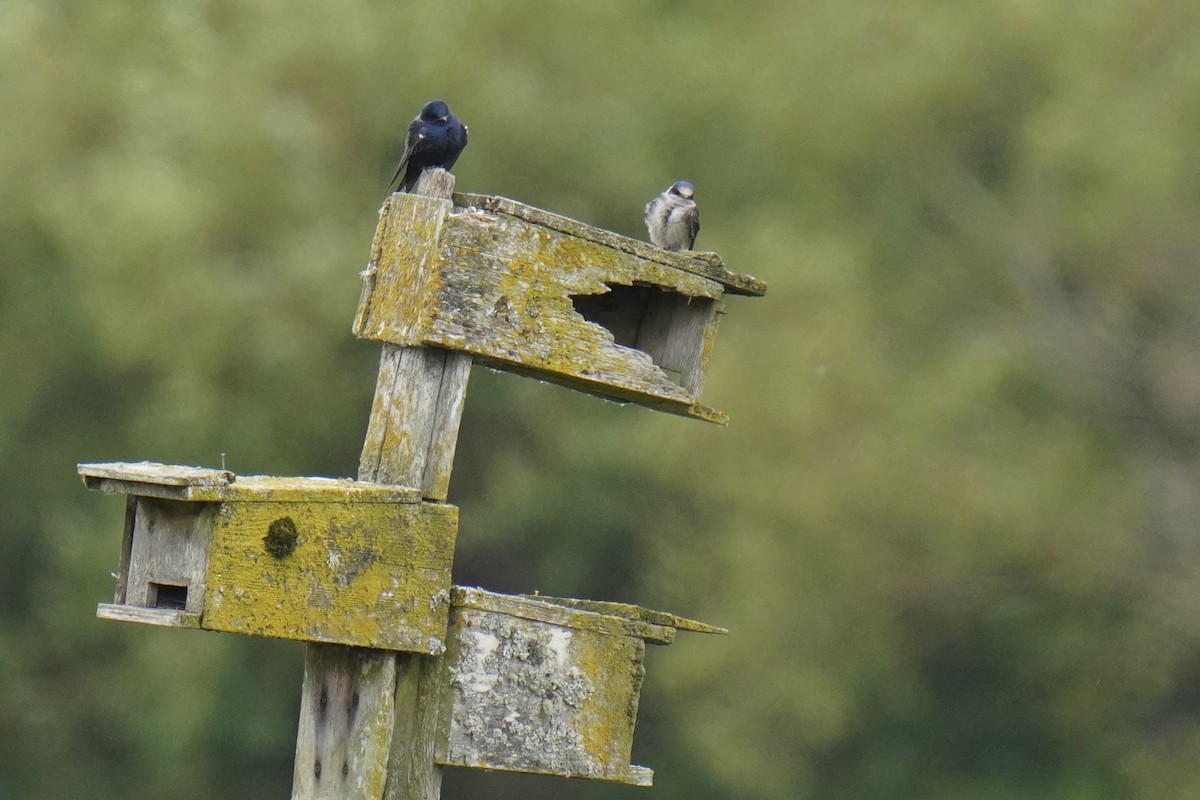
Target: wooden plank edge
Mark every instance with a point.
(704, 264)
(628, 774)
(606, 391)
(263, 489)
(630, 611)
(533, 608)
(165, 617)
(157, 473)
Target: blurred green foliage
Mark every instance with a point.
(952, 525)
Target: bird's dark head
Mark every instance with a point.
(683, 189)
(435, 111)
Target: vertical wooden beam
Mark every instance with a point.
(386, 748)
(414, 420)
(346, 716)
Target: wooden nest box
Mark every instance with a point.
(547, 685)
(528, 291)
(315, 559)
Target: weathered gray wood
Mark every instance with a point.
(346, 717)
(537, 695)
(141, 480)
(708, 265)
(152, 479)
(170, 549)
(410, 440)
(419, 728)
(126, 550)
(413, 430)
(673, 334)
(154, 472)
(167, 618)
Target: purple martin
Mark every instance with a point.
(435, 139)
(673, 219)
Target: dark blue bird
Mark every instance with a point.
(435, 139)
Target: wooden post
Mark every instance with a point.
(367, 727)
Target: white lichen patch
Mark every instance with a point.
(518, 694)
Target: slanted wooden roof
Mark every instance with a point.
(705, 264)
(200, 484)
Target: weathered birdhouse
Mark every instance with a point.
(297, 558)
(547, 685)
(525, 290)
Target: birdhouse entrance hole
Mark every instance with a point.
(167, 595)
(667, 326)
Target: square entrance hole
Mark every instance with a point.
(167, 595)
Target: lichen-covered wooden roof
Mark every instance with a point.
(200, 484)
(705, 264)
(522, 289)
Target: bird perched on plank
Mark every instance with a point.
(435, 139)
(673, 219)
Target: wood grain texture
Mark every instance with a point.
(170, 547)
(117, 478)
(366, 574)
(400, 280)
(154, 472)
(346, 718)
(167, 618)
(677, 332)
(531, 695)
(414, 773)
(122, 573)
(413, 429)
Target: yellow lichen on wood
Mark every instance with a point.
(501, 288)
(398, 283)
(369, 574)
(606, 717)
(506, 295)
(708, 265)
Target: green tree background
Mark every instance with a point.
(952, 524)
